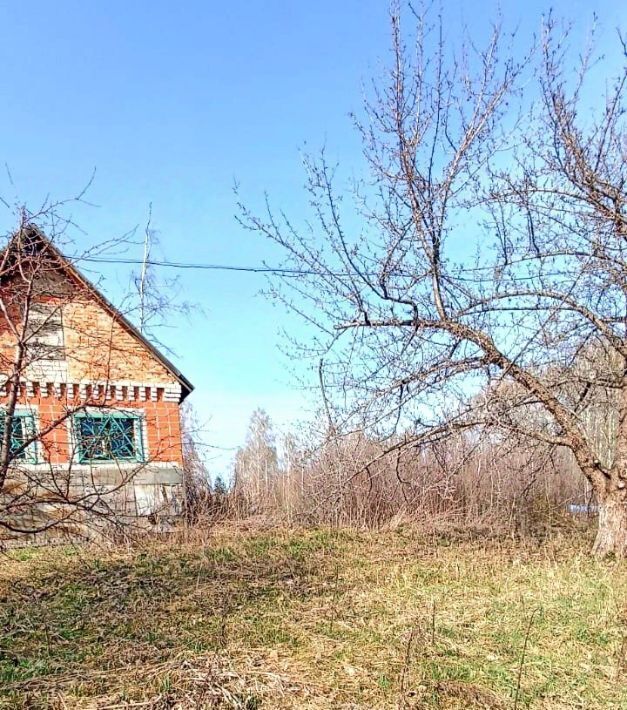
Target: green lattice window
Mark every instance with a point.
(22, 426)
(108, 436)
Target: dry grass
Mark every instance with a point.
(317, 619)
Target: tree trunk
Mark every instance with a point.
(612, 532)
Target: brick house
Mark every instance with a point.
(94, 407)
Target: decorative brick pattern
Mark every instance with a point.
(162, 429)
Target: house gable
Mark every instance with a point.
(81, 336)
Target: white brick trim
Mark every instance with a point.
(112, 390)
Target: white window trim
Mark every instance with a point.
(33, 450)
(135, 412)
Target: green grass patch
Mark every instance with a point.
(318, 619)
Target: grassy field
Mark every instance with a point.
(318, 619)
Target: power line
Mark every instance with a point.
(277, 270)
(191, 265)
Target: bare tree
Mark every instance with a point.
(478, 279)
(256, 463)
(481, 483)
(153, 299)
(200, 501)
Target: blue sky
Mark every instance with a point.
(173, 102)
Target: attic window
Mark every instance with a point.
(44, 332)
(29, 245)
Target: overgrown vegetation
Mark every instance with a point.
(314, 478)
(320, 619)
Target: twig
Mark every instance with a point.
(406, 662)
(522, 657)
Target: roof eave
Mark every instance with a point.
(186, 386)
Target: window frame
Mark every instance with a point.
(138, 435)
(29, 430)
(45, 337)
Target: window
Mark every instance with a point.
(22, 429)
(45, 332)
(108, 436)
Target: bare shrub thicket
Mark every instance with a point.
(473, 480)
(205, 501)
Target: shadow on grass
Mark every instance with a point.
(82, 616)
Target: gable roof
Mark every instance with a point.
(32, 236)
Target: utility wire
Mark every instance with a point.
(190, 265)
(278, 270)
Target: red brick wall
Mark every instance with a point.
(162, 432)
(98, 348)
